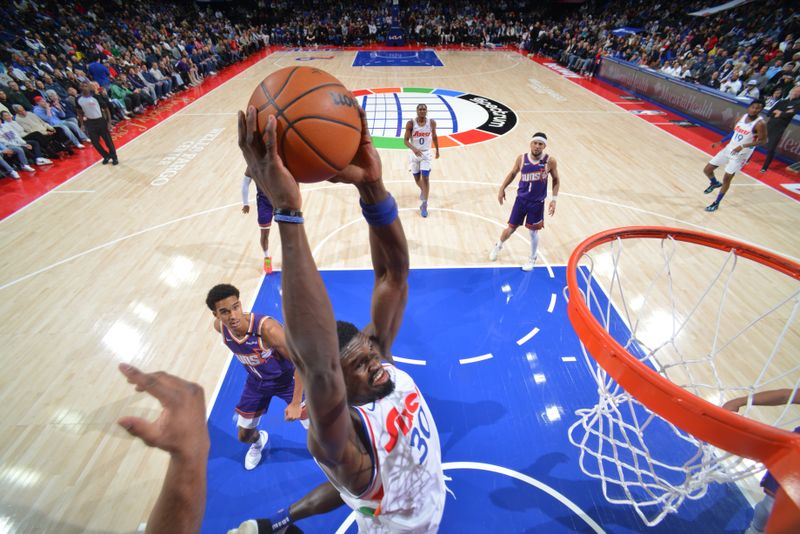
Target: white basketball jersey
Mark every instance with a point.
(421, 135)
(406, 493)
(744, 133)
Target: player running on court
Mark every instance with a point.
(258, 342)
(264, 210)
(420, 135)
(535, 167)
(748, 133)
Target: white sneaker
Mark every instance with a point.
(15, 175)
(80, 146)
(28, 168)
(248, 527)
(495, 251)
(254, 454)
(43, 161)
(528, 267)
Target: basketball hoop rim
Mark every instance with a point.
(778, 449)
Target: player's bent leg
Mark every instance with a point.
(507, 231)
(726, 183)
(265, 247)
(249, 433)
(321, 500)
(714, 183)
(424, 185)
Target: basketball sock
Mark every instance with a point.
(719, 198)
(266, 253)
(534, 243)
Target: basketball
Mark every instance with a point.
(318, 127)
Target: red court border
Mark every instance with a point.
(16, 194)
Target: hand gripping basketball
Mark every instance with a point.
(266, 167)
(365, 168)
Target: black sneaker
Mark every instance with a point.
(713, 206)
(106, 160)
(713, 185)
(115, 162)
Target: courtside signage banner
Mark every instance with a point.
(699, 104)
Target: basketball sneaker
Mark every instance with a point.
(253, 456)
(423, 209)
(495, 251)
(528, 267)
(713, 206)
(268, 265)
(716, 184)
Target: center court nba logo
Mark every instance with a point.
(461, 118)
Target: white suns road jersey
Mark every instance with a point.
(743, 133)
(406, 493)
(421, 135)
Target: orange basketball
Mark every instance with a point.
(318, 127)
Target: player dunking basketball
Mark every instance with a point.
(258, 342)
(748, 133)
(264, 209)
(372, 432)
(535, 167)
(420, 135)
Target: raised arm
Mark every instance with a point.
(181, 431)
(310, 326)
(387, 241)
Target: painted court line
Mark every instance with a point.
(409, 361)
(552, 303)
(569, 359)
(524, 339)
(464, 361)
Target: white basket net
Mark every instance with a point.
(713, 323)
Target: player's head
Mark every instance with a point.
(422, 111)
(223, 301)
(755, 108)
(538, 143)
(364, 377)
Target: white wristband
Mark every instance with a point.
(555, 197)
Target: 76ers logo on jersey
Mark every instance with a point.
(404, 422)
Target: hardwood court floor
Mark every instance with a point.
(115, 266)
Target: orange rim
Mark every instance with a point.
(778, 449)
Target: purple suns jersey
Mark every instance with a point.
(260, 360)
(533, 183)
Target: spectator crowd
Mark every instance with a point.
(131, 55)
(136, 54)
